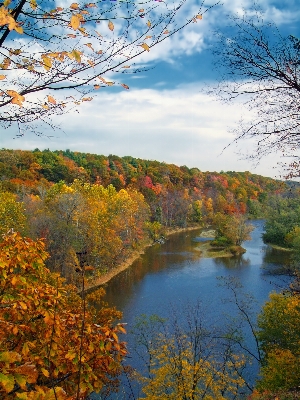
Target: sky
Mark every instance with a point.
(167, 114)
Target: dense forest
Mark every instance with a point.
(69, 217)
(100, 208)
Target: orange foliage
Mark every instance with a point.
(52, 343)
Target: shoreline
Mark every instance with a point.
(105, 278)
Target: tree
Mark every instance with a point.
(231, 229)
(260, 66)
(185, 359)
(12, 214)
(53, 343)
(279, 338)
(46, 48)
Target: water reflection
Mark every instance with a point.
(173, 274)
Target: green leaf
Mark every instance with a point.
(8, 382)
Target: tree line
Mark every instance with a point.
(102, 208)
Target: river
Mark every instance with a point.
(170, 275)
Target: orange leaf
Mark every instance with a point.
(51, 100)
(97, 87)
(75, 22)
(74, 6)
(87, 99)
(199, 16)
(16, 97)
(111, 26)
(2, 77)
(71, 35)
(126, 66)
(149, 24)
(124, 86)
(145, 46)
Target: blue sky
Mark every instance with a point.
(166, 115)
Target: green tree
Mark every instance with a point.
(279, 338)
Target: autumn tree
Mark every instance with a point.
(53, 343)
(46, 48)
(279, 338)
(260, 67)
(231, 229)
(12, 213)
(185, 359)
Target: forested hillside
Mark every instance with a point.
(94, 209)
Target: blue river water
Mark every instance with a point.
(170, 275)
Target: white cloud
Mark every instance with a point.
(181, 126)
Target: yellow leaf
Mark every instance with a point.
(87, 99)
(33, 4)
(21, 380)
(75, 21)
(47, 62)
(7, 381)
(111, 26)
(110, 83)
(199, 16)
(124, 86)
(149, 24)
(10, 356)
(145, 46)
(19, 29)
(51, 100)
(45, 106)
(74, 6)
(23, 305)
(76, 55)
(45, 372)
(99, 34)
(102, 79)
(91, 63)
(6, 3)
(82, 30)
(91, 5)
(25, 349)
(2, 77)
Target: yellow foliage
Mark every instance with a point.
(42, 322)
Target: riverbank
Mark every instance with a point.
(105, 278)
